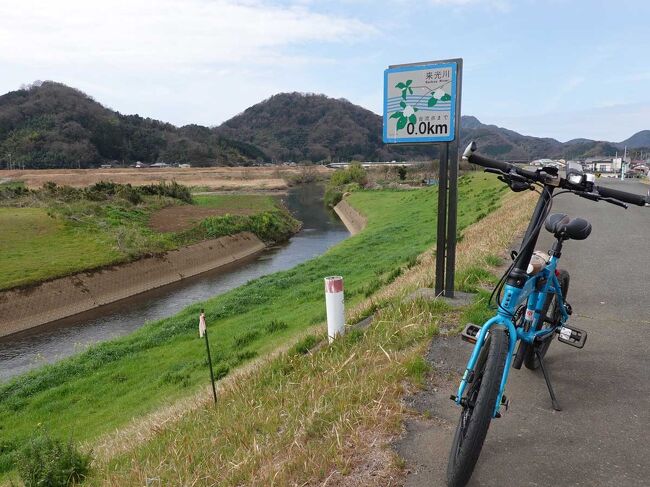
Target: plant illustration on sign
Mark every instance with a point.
(438, 95)
(407, 113)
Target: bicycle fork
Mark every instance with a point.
(499, 320)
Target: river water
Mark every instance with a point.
(49, 343)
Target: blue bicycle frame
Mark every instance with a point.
(535, 291)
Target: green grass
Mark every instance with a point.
(493, 260)
(292, 421)
(479, 311)
(51, 238)
(105, 387)
(237, 202)
(417, 368)
(12, 185)
(36, 246)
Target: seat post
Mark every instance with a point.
(556, 250)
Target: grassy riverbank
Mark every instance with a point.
(327, 417)
(58, 231)
(113, 382)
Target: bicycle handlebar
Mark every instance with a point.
(631, 198)
(505, 167)
(598, 192)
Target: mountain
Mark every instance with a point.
(312, 127)
(52, 125)
(297, 126)
(505, 144)
(637, 141)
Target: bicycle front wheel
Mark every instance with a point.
(481, 395)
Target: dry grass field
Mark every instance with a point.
(214, 178)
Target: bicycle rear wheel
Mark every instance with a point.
(481, 395)
(553, 306)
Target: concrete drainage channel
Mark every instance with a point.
(22, 309)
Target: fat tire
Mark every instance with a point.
(530, 360)
(466, 447)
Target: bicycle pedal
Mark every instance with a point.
(463, 400)
(470, 333)
(572, 336)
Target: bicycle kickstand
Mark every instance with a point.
(556, 405)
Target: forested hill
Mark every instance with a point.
(505, 144)
(52, 125)
(299, 126)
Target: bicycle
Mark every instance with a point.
(531, 305)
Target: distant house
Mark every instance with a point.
(638, 171)
(603, 166)
(589, 166)
(548, 163)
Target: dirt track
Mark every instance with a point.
(178, 218)
(220, 178)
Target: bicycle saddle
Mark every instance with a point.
(566, 228)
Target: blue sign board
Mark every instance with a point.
(420, 103)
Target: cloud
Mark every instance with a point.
(182, 61)
(502, 5)
(163, 33)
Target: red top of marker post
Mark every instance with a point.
(334, 284)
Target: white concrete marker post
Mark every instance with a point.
(335, 307)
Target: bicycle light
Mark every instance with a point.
(574, 173)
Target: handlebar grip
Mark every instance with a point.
(631, 198)
(485, 162)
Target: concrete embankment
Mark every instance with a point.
(21, 309)
(351, 218)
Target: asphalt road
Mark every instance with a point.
(602, 435)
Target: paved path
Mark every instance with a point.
(602, 436)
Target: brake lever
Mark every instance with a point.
(587, 195)
(514, 181)
(596, 197)
(615, 202)
(513, 176)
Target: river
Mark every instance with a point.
(48, 343)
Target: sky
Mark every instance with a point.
(551, 68)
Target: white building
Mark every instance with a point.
(603, 166)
